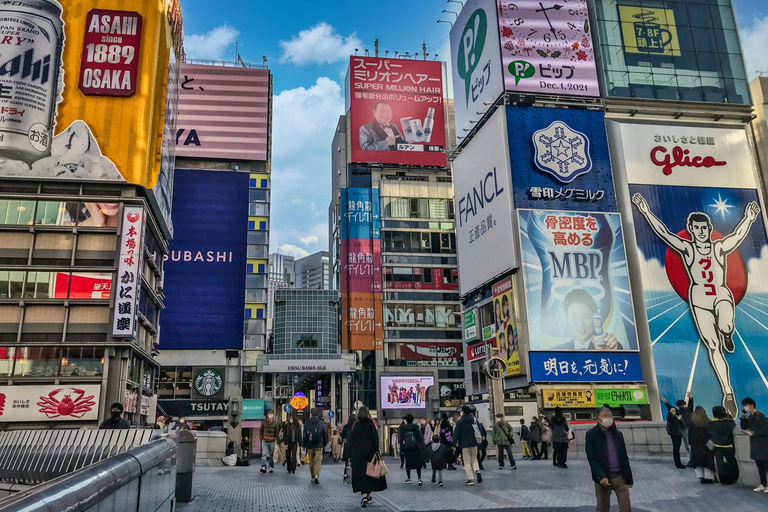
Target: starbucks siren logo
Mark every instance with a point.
(208, 382)
(471, 48)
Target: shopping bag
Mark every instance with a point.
(306, 459)
(373, 468)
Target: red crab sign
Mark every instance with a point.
(49, 403)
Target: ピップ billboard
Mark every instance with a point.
(576, 281)
(703, 258)
(206, 265)
(405, 392)
(84, 89)
(396, 111)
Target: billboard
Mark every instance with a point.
(703, 258)
(129, 271)
(432, 354)
(49, 403)
(585, 366)
(86, 99)
(224, 113)
(481, 181)
(396, 111)
(547, 49)
(206, 264)
(405, 392)
(475, 64)
(561, 159)
(506, 325)
(576, 281)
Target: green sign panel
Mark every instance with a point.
(470, 325)
(489, 333)
(619, 397)
(253, 409)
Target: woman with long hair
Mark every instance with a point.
(721, 433)
(292, 439)
(701, 456)
(561, 438)
(363, 446)
(345, 431)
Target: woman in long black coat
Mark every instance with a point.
(702, 457)
(363, 444)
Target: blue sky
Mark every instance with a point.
(307, 45)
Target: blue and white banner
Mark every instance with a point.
(360, 214)
(585, 367)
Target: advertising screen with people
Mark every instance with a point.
(405, 392)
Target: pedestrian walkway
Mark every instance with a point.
(536, 486)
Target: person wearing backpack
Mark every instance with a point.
(503, 438)
(446, 438)
(467, 437)
(315, 439)
(524, 439)
(412, 446)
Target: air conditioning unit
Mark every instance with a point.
(268, 394)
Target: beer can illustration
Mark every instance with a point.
(31, 49)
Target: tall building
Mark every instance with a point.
(282, 270)
(586, 165)
(85, 215)
(314, 271)
(393, 242)
(217, 269)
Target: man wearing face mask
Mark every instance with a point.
(755, 425)
(270, 432)
(608, 460)
(115, 422)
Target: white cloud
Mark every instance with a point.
(754, 41)
(292, 250)
(757, 269)
(307, 240)
(304, 124)
(654, 275)
(211, 45)
(320, 44)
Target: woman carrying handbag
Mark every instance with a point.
(365, 459)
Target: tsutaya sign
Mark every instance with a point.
(307, 366)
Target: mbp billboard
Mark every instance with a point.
(405, 392)
(482, 186)
(703, 257)
(476, 63)
(83, 89)
(560, 159)
(223, 113)
(396, 111)
(546, 47)
(576, 281)
(206, 265)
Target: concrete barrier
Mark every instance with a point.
(211, 447)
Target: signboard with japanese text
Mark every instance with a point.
(85, 97)
(362, 321)
(561, 159)
(619, 397)
(506, 325)
(405, 392)
(360, 213)
(477, 351)
(129, 271)
(649, 30)
(470, 325)
(585, 366)
(482, 191)
(546, 47)
(433, 354)
(46, 403)
(568, 397)
(576, 281)
(110, 62)
(702, 253)
(224, 112)
(205, 267)
(476, 63)
(396, 111)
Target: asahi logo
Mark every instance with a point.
(28, 67)
(208, 382)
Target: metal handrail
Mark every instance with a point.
(76, 492)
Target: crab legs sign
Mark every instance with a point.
(49, 403)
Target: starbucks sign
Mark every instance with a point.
(208, 381)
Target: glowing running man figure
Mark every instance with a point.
(709, 297)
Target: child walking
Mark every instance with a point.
(438, 457)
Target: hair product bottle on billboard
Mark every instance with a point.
(418, 131)
(30, 76)
(405, 122)
(429, 122)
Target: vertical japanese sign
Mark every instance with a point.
(506, 325)
(111, 45)
(576, 281)
(470, 325)
(129, 273)
(396, 111)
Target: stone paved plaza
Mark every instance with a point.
(534, 486)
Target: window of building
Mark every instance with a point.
(416, 208)
(175, 382)
(257, 237)
(82, 362)
(16, 212)
(260, 209)
(35, 361)
(11, 284)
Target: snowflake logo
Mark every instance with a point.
(561, 151)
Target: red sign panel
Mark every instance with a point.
(110, 64)
(396, 111)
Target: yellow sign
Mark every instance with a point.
(649, 31)
(568, 398)
(299, 402)
(506, 325)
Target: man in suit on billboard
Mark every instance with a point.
(381, 134)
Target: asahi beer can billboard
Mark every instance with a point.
(83, 88)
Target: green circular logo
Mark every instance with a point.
(208, 381)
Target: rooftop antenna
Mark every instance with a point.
(366, 52)
(386, 52)
(355, 51)
(263, 62)
(376, 47)
(424, 49)
(396, 52)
